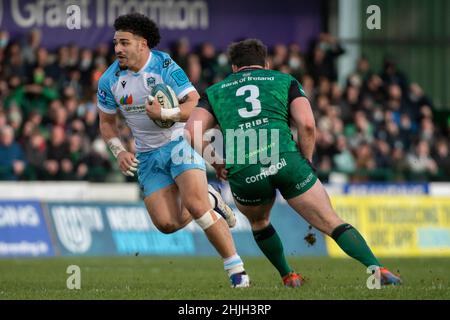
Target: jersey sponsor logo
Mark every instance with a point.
(229, 84)
(245, 200)
(249, 78)
(101, 96)
(167, 63)
(254, 123)
(180, 77)
(134, 109)
(150, 81)
(266, 172)
(244, 80)
(304, 182)
(126, 99)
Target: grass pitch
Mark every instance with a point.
(185, 278)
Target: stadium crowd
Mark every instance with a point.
(379, 127)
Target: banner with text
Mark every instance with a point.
(394, 226)
(23, 230)
(89, 22)
(397, 226)
(407, 188)
(126, 229)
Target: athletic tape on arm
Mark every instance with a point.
(116, 146)
(173, 114)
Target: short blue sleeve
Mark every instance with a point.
(175, 77)
(105, 98)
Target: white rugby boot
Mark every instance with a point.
(221, 207)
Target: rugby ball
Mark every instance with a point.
(167, 98)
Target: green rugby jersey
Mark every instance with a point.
(252, 109)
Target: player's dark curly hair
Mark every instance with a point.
(140, 25)
(248, 52)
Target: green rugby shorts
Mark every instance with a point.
(292, 175)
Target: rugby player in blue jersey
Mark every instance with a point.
(174, 192)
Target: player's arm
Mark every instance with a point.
(303, 119)
(106, 106)
(110, 134)
(201, 120)
(188, 104)
(188, 97)
(178, 114)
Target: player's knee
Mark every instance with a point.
(258, 221)
(197, 206)
(166, 227)
(259, 224)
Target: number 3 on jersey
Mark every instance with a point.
(252, 99)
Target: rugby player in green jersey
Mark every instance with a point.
(257, 103)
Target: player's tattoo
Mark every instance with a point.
(184, 99)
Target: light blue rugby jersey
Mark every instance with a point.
(127, 90)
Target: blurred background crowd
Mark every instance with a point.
(379, 126)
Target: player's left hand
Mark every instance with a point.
(153, 109)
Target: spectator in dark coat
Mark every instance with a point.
(12, 157)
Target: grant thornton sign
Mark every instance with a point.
(219, 22)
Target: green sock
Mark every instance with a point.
(353, 244)
(270, 244)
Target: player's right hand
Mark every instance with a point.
(127, 163)
(221, 172)
(153, 108)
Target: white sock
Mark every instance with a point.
(233, 264)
